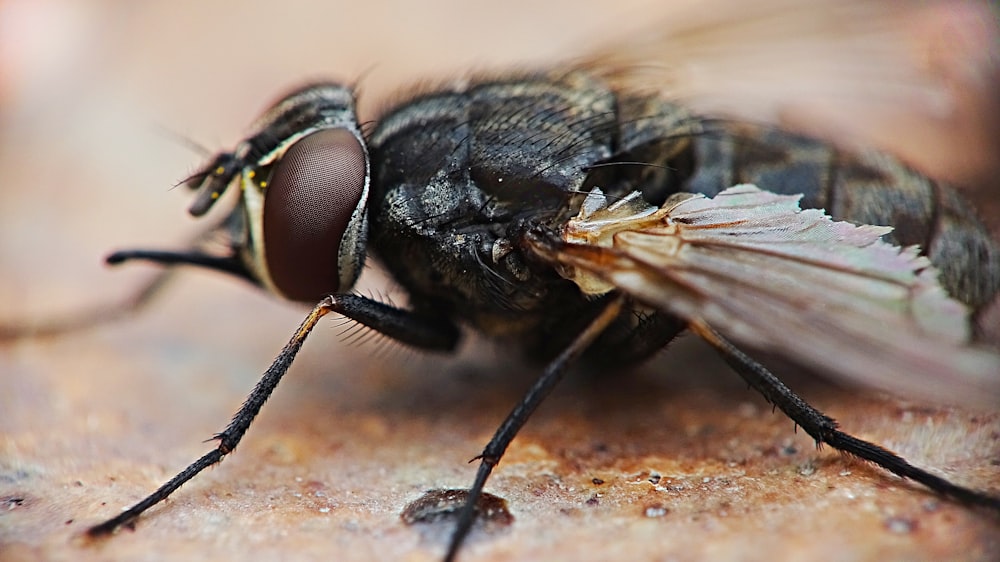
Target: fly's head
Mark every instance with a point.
(303, 176)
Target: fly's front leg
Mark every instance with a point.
(404, 326)
(105, 313)
(824, 429)
(90, 317)
(111, 312)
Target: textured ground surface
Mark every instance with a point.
(677, 461)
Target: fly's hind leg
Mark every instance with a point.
(824, 429)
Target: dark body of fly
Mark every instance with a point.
(453, 188)
(458, 174)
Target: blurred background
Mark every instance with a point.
(94, 97)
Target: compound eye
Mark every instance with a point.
(315, 190)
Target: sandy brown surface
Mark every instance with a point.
(677, 461)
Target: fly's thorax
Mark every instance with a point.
(456, 173)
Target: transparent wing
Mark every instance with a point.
(770, 275)
(914, 78)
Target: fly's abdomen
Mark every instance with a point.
(867, 188)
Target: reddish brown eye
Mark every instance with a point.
(314, 191)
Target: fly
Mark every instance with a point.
(572, 217)
(465, 191)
